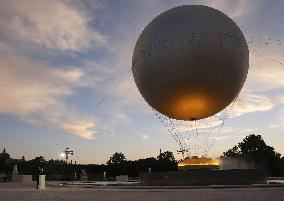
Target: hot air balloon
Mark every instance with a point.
(190, 62)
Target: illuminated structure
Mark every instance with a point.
(198, 163)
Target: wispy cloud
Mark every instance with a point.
(53, 24)
(235, 9)
(250, 102)
(84, 128)
(266, 68)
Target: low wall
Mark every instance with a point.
(22, 178)
(203, 177)
(122, 178)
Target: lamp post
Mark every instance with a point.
(66, 153)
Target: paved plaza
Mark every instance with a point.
(105, 194)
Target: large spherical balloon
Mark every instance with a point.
(190, 62)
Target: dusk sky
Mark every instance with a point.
(65, 78)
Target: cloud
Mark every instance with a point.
(70, 75)
(250, 102)
(235, 9)
(27, 87)
(266, 68)
(53, 24)
(35, 92)
(84, 129)
(120, 117)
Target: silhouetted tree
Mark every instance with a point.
(142, 165)
(117, 158)
(38, 163)
(254, 150)
(233, 153)
(167, 155)
(116, 165)
(166, 161)
(5, 162)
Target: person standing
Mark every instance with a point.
(38, 172)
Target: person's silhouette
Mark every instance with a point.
(38, 172)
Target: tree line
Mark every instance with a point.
(116, 165)
(251, 149)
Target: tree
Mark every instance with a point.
(38, 163)
(167, 155)
(117, 158)
(254, 150)
(233, 153)
(116, 165)
(166, 161)
(5, 162)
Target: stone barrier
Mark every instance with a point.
(22, 178)
(203, 177)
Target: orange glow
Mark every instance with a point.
(190, 106)
(198, 161)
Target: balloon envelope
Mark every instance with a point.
(190, 62)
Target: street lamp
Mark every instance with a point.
(66, 153)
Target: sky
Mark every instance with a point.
(65, 78)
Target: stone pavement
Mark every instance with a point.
(101, 194)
